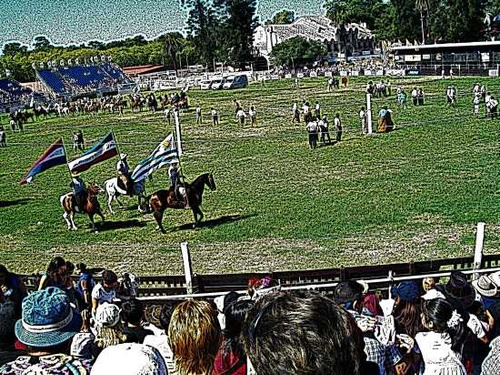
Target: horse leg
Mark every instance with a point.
(197, 212)
(159, 217)
(72, 220)
(99, 212)
(110, 199)
(91, 217)
(65, 217)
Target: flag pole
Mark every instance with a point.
(67, 165)
(180, 168)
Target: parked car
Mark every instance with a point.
(205, 85)
(238, 82)
(228, 83)
(217, 84)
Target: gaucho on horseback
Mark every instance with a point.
(175, 182)
(124, 180)
(79, 190)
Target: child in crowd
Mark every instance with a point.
(104, 292)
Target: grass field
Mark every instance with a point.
(413, 194)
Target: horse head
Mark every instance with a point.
(94, 189)
(211, 182)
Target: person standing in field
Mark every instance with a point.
(317, 111)
(241, 116)
(312, 130)
(338, 127)
(253, 115)
(363, 120)
(475, 103)
(215, 116)
(330, 84)
(198, 115)
(295, 113)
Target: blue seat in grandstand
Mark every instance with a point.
(53, 80)
(113, 72)
(13, 88)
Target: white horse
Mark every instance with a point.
(114, 191)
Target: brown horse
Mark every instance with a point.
(90, 207)
(163, 199)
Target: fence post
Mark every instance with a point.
(178, 131)
(478, 252)
(188, 272)
(369, 113)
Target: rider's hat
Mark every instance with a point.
(123, 156)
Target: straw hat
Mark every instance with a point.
(485, 286)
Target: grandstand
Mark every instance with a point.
(12, 94)
(89, 80)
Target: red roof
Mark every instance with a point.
(142, 69)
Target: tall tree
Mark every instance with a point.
(297, 51)
(10, 49)
(423, 7)
(173, 43)
(283, 17)
(41, 43)
(203, 29)
(406, 20)
(341, 13)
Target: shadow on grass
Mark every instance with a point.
(14, 202)
(112, 225)
(213, 223)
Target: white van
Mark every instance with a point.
(205, 85)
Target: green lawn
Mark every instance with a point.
(416, 193)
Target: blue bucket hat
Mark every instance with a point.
(407, 291)
(47, 319)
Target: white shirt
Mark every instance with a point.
(317, 107)
(362, 115)
(252, 112)
(198, 110)
(312, 127)
(294, 107)
(214, 112)
(437, 354)
(475, 326)
(305, 109)
(336, 122)
(241, 113)
(414, 93)
(101, 295)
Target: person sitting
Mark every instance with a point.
(315, 336)
(80, 191)
(132, 314)
(175, 182)
(123, 171)
(194, 336)
(104, 292)
(47, 327)
(54, 275)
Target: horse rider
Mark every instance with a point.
(122, 169)
(79, 191)
(175, 180)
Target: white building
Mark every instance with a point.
(359, 39)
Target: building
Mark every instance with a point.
(359, 39)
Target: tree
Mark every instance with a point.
(297, 51)
(96, 44)
(203, 29)
(173, 43)
(10, 49)
(239, 23)
(41, 43)
(283, 17)
(406, 20)
(422, 6)
(341, 13)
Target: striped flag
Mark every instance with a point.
(103, 150)
(164, 154)
(54, 155)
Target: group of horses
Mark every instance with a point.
(156, 202)
(92, 107)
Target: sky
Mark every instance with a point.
(78, 21)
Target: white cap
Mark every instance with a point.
(107, 314)
(130, 359)
(123, 156)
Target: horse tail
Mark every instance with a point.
(149, 209)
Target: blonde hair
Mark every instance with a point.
(194, 336)
(109, 336)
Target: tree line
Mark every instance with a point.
(222, 31)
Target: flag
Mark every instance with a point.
(54, 155)
(103, 150)
(163, 154)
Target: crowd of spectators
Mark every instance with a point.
(73, 325)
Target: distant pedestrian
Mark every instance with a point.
(198, 115)
(323, 128)
(237, 105)
(487, 98)
(420, 96)
(295, 113)
(312, 129)
(493, 105)
(330, 84)
(253, 115)
(306, 110)
(317, 111)
(414, 96)
(167, 114)
(78, 141)
(338, 127)
(451, 73)
(363, 120)
(450, 96)
(241, 116)
(3, 137)
(475, 104)
(215, 116)
(402, 98)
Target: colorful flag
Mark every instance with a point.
(163, 154)
(103, 150)
(54, 155)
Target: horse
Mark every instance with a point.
(163, 199)
(115, 187)
(91, 206)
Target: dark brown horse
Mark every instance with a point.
(163, 199)
(90, 207)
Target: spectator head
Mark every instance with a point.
(109, 280)
(440, 316)
(460, 290)
(48, 320)
(130, 359)
(428, 283)
(407, 307)
(82, 267)
(304, 332)
(166, 314)
(194, 336)
(107, 314)
(372, 304)
(4, 275)
(235, 314)
(132, 311)
(349, 294)
(57, 266)
(222, 303)
(108, 325)
(70, 268)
